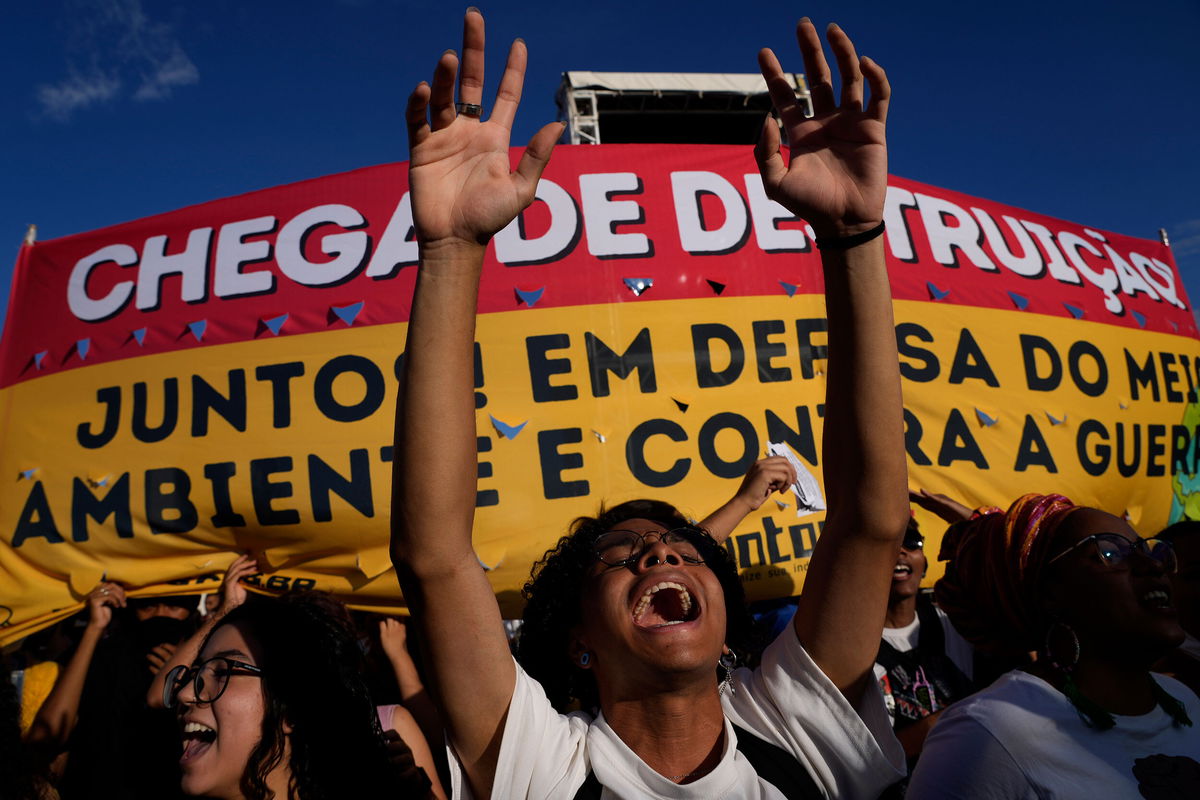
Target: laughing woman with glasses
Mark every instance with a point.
(1086, 718)
(275, 706)
(633, 616)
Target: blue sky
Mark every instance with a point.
(117, 109)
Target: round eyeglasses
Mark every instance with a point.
(1114, 550)
(621, 548)
(208, 678)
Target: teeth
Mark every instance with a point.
(196, 727)
(644, 603)
(1158, 597)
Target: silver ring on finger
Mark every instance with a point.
(469, 109)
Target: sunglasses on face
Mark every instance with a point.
(622, 548)
(1114, 550)
(208, 678)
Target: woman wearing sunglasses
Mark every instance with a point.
(1086, 718)
(636, 611)
(275, 706)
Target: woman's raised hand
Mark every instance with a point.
(233, 591)
(837, 176)
(463, 189)
(101, 601)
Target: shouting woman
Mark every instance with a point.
(646, 605)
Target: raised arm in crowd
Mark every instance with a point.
(635, 614)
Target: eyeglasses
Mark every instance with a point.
(208, 678)
(622, 548)
(1114, 550)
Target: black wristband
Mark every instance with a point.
(846, 242)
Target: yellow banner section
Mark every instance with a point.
(152, 471)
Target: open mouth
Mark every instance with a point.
(664, 604)
(1156, 599)
(197, 738)
(901, 571)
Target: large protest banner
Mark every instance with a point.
(222, 378)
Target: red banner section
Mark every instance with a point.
(612, 224)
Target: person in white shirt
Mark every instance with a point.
(1087, 718)
(647, 614)
(923, 664)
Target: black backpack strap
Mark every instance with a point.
(773, 764)
(888, 657)
(591, 789)
(931, 638)
(777, 767)
(953, 680)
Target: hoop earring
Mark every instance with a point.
(585, 659)
(1066, 669)
(1091, 713)
(727, 663)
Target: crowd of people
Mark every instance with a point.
(638, 670)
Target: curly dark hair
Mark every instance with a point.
(312, 677)
(553, 598)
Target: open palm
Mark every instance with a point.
(463, 188)
(837, 175)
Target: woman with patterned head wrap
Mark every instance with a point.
(1084, 717)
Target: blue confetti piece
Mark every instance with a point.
(198, 329)
(638, 285)
(1076, 312)
(531, 296)
(985, 420)
(934, 292)
(1141, 318)
(1019, 301)
(790, 288)
(83, 346)
(1056, 420)
(27, 474)
(275, 324)
(348, 314)
(38, 358)
(506, 430)
(716, 286)
(139, 336)
(1174, 324)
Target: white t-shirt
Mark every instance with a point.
(1021, 738)
(850, 752)
(958, 649)
(1191, 647)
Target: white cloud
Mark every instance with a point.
(75, 93)
(112, 44)
(1185, 238)
(177, 70)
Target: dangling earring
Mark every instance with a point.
(1065, 669)
(727, 663)
(585, 658)
(1093, 715)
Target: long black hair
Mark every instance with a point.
(312, 678)
(553, 597)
